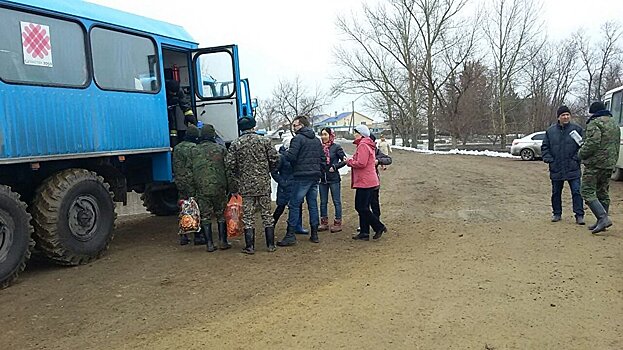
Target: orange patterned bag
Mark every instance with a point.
(233, 216)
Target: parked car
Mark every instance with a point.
(528, 147)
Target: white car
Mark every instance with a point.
(528, 147)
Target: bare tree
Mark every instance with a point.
(467, 100)
(513, 26)
(599, 58)
(291, 98)
(381, 48)
(439, 34)
(267, 115)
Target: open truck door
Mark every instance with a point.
(218, 89)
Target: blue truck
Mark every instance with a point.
(84, 120)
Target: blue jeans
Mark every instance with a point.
(303, 190)
(557, 186)
(336, 195)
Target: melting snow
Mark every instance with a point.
(486, 153)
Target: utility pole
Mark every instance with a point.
(352, 118)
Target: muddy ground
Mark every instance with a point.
(471, 262)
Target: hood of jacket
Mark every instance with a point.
(307, 132)
(365, 141)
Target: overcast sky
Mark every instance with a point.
(283, 38)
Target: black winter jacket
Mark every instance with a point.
(560, 151)
(336, 152)
(306, 155)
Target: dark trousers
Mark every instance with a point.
(375, 204)
(557, 186)
(363, 198)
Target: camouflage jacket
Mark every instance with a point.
(601, 142)
(210, 176)
(183, 167)
(250, 160)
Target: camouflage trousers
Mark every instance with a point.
(212, 206)
(596, 185)
(250, 205)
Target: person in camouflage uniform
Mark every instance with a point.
(211, 186)
(599, 154)
(250, 160)
(183, 170)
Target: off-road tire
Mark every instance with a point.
(16, 243)
(58, 236)
(161, 203)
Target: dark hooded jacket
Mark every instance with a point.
(306, 155)
(560, 151)
(283, 177)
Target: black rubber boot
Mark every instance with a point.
(289, 239)
(207, 231)
(314, 235)
(606, 207)
(603, 221)
(269, 232)
(199, 238)
(249, 240)
(222, 236)
(184, 240)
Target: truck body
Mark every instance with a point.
(84, 112)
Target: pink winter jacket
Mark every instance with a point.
(363, 164)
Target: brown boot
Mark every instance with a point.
(324, 224)
(337, 226)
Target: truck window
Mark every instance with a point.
(123, 61)
(41, 50)
(616, 106)
(217, 74)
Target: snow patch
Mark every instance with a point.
(485, 153)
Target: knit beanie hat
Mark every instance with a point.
(192, 132)
(362, 130)
(562, 109)
(208, 132)
(596, 107)
(246, 123)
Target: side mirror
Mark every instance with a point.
(254, 103)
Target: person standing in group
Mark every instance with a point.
(307, 159)
(383, 160)
(364, 181)
(183, 154)
(384, 147)
(250, 161)
(599, 154)
(283, 177)
(560, 151)
(211, 186)
(331, 181)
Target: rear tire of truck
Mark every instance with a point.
(74, 217)
(617, 174)
(16, 243)
(161, 203)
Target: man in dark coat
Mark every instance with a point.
(307, 159)
(560, 151)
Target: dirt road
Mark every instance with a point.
(471, 262)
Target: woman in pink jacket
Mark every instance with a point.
(364, 181)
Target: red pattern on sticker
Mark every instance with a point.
(36, 41)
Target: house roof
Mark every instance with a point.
(341, 116)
